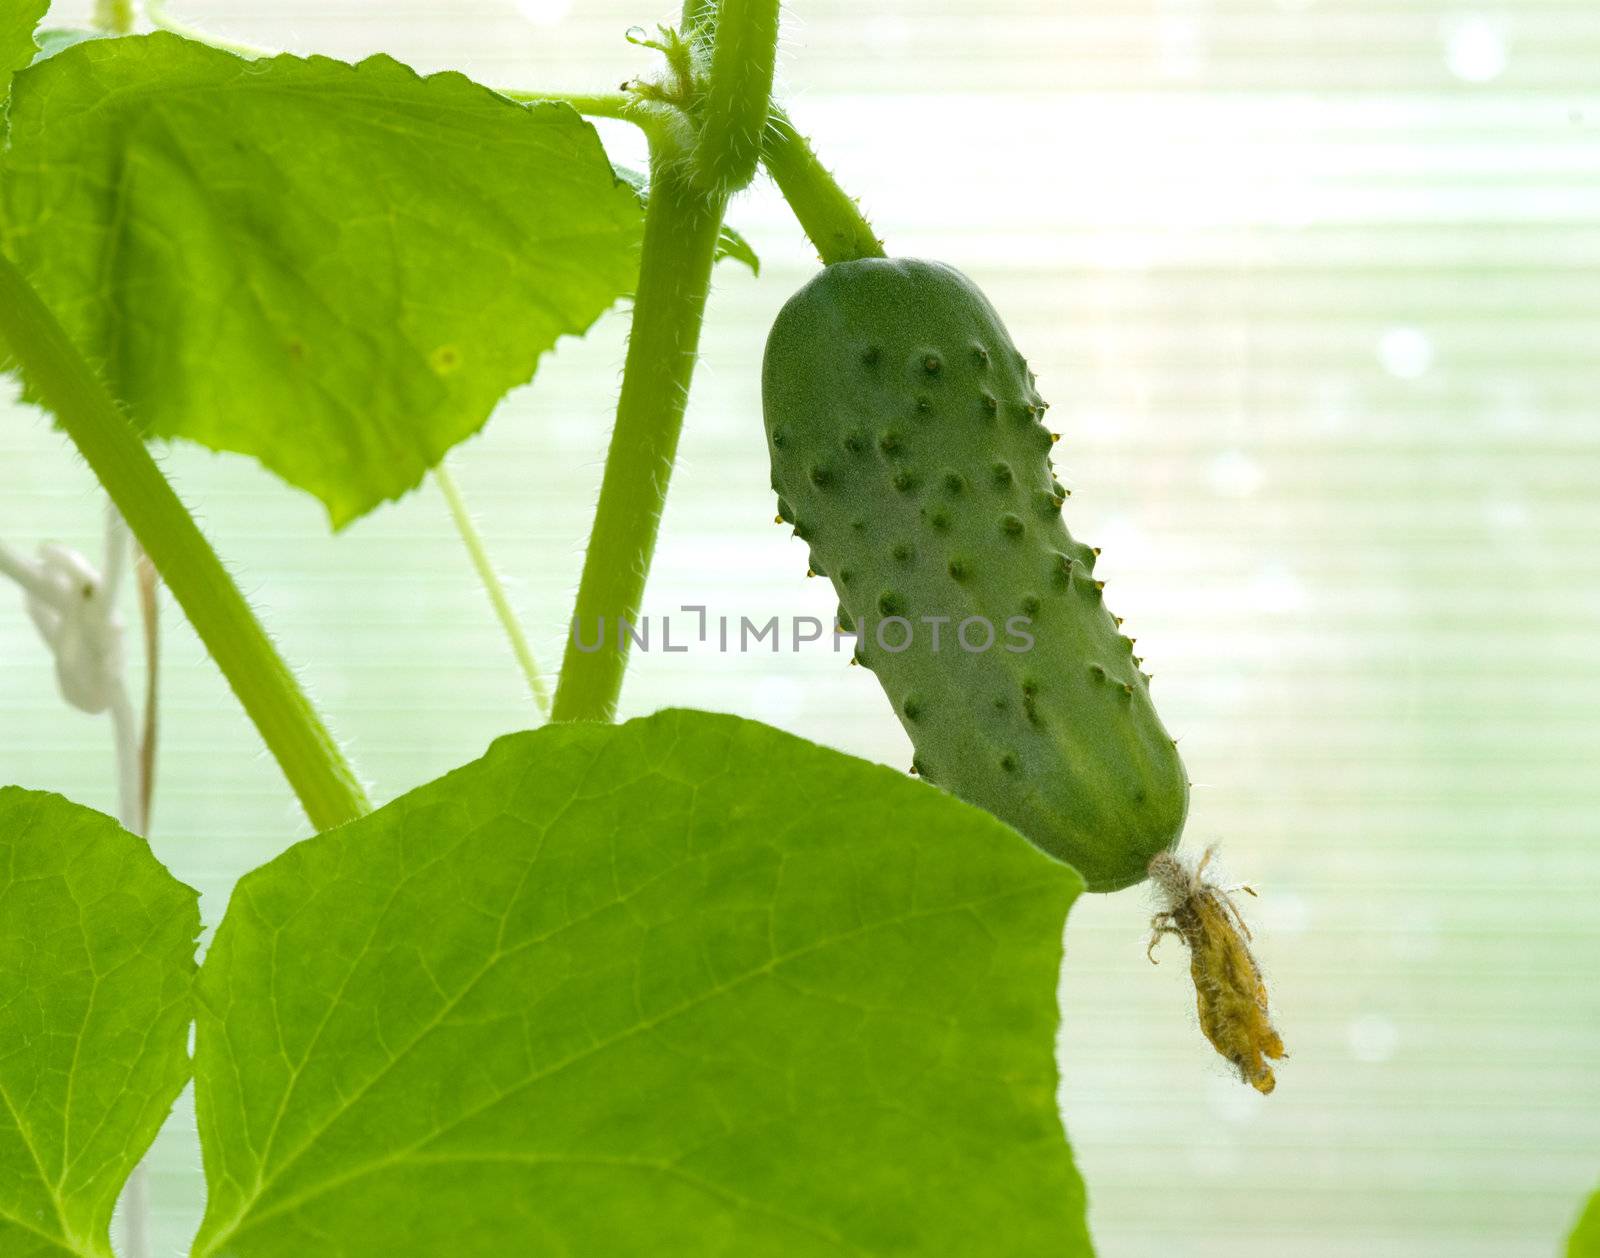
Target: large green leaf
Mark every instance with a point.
(96, 986)
(1585, 1242)
(18, 18)
(688, 986)
(338, 269)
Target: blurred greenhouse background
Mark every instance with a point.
(1314, 288)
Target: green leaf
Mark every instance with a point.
(730, 243)
(96, 986)
(1585, 1242)
(337, 269)
(17, 22)
(685, 986)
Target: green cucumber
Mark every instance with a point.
(908, 453)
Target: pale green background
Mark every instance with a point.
(1315, 291)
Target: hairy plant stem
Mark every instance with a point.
(492, 585)
(733, 116)
(699, 20)
(681, 226)
(829, 216)
(288, 724)
(597, 105)
(827, 213)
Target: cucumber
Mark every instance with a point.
(908, 453)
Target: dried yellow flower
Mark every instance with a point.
(1231, 995)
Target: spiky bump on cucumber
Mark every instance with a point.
(908, 452)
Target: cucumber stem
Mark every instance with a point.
(829, 216)
(681, 227)
(699, 20)
(738, 97)
(288, 724)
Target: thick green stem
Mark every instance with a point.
(699, 20)
(473, 541)
(733, 118)
(680, 239)
(288, 724)
(831, 219)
